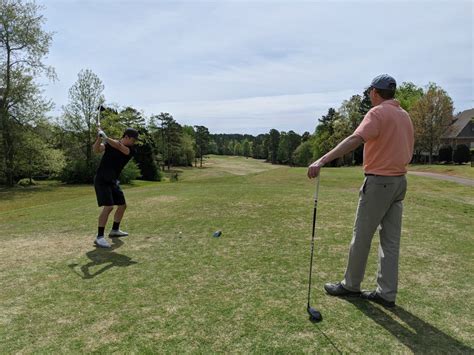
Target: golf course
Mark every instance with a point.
(171, 287)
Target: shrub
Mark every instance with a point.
(461, 154)
(445, 154)
(79, 172)
(130, 172)
(26, 182)
(146, 161)
(303, 155)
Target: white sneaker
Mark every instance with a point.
(101, 242)
(117, 233)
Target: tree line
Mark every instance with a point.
(35, 145)
(430, 107)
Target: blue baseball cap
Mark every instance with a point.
(384, 82)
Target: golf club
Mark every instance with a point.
(100, 109)
(314, 314)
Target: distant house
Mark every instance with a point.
(461, 130)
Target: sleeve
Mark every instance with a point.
(369, 128)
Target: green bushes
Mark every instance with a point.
(78, 172)
(461, 154)
(129, 173)
(445, 154)
(26, 182)
(303, 155)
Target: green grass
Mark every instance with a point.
(465, 170)
(172, 287)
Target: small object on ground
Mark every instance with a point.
(217, 234)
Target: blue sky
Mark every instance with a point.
(248, 66)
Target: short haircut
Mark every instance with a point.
(386, 94)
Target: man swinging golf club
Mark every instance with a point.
(387, 133)
(107, 188)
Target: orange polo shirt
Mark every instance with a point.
(387, 131)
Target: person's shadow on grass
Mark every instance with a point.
(106, 257)
(415, 333)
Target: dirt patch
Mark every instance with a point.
(164, 198)
(445, 177)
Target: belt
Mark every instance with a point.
(384, 175)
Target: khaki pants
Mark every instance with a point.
(380, 203)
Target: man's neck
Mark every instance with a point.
(381, 101)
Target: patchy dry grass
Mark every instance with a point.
(464, 170)
(172, 287)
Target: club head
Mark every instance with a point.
(101, 108)
(314, 315)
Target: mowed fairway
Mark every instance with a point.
(172, 287)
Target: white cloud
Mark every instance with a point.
(257, 114)
(249, 65)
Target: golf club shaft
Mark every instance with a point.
(312, 237)
(98, 118)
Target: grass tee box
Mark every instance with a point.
(173, 287)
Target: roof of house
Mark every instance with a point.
(458, 124)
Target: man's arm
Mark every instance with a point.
(98, 147)
(117, 145)
(346, 146)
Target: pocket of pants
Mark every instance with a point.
(362, 188)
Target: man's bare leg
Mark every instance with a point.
(119, 212)
(103, 217)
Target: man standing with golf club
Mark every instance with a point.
(387, 134)
(107, 188)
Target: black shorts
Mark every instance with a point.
(108, 193)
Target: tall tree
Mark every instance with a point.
(168, 132)
(306, 136)
(431, 116)
(187, 149)
(237, 149)
(37, 158)
(365, 104)
(303, 155)
(202, 141)
(273, 143)
(246, 148)
(81, 113)
(324, 140)
(294, 140)
(352, 112)
(130, 117)
(325, 122)
(23, 45)
(408, 94)
(282, 152)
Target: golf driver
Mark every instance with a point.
(314, 314)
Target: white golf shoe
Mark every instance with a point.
(101, 242)
(117, 233)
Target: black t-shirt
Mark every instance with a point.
(112, 163)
